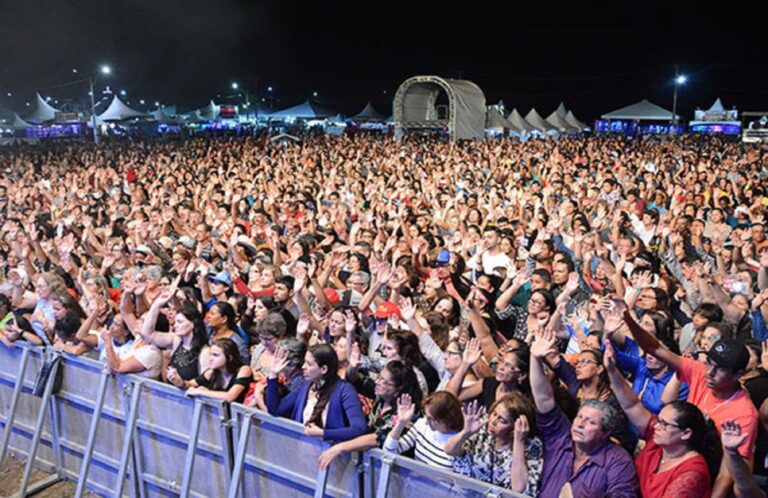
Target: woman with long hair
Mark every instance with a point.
(682, 451)
(327, 406)
(225, 378)
(185, 341)
(502, 449)
(393, 381)
(222, 322)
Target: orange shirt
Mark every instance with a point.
(738, 408)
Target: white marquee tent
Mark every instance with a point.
(305, 110)
(119, 111)
(520, 125)
(571, 119)
(645, 110)
(368, 114)
(42, 111)
(539, 123)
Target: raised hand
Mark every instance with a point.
(472, 352)
(609, 355)
(279, 363)
(731, 436)
(303, 325)
(474, 418)
(543, 344)
(522, 429)
(407, 310)
(405, 408)
(573, 282)
(350, 322)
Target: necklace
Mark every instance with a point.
(706, 398)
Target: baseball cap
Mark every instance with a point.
(387, 309)
(729, 353)
(444, 257)
(222, 277)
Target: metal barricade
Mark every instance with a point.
(394, 476)
(91, 412)
(274, 458)
(181, 445)
(24, 431)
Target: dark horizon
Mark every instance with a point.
(595, 57)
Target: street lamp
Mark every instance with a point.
(314, 94)
(680, 80)
(235, 86)
(105, 70)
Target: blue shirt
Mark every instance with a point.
(647, 388)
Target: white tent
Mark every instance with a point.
(519, 123)
(645, 110)
(368, 114)
(494, 121)
(162, 116)
(571, 119)
(193, 117)
(538, 122)
(559, 122)
(561, 110)
(42, 111)
(119, 111)
(209, 112)
(305, 110)
(20, 124)
(338, 118)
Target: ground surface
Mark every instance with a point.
(10, 477)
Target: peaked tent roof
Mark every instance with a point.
(193, 117)
(558, 122)
(717, 106)
(305, 110)
(538, 122)
(571, 119)
(119, 111)
(643, 110)
(519, 123)
(42, 112)
(209, 112)
(561, 111)
(368, 113)
(338, 118)
(494, 120)
(20, 124)
(163, 117)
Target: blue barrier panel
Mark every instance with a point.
(279, 460)
(27, 406)
(168, 424)
(78, 399)
(395, 476)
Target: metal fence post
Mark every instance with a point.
(386, 469)
(17, 388)
(39, 433)
(322, 478)
(90, 443)
(130, 427)
(242, 446)
(189, 461)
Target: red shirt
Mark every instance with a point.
(688, 479)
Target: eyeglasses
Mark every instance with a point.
(585, 361)
(537, 302)
(457, 353)
(664, 424)
(384, 382)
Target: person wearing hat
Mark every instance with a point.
(214, 287)
(714, 387)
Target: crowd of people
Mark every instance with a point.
(572, 318)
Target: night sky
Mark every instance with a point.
(594, 56)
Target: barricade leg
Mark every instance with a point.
(14, 405)
(37, 435)
(189, 461)
(242, 446)
(386, 470)
(322, 479)
(130, 427)
(88, 453)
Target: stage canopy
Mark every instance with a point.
(645, 110)
(415, 107)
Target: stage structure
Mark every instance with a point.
(416, 107)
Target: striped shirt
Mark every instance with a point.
(429, 444)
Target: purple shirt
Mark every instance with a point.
(609, 472)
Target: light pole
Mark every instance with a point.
(679, 80)
(105, 70)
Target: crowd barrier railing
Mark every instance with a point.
(124, 435)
